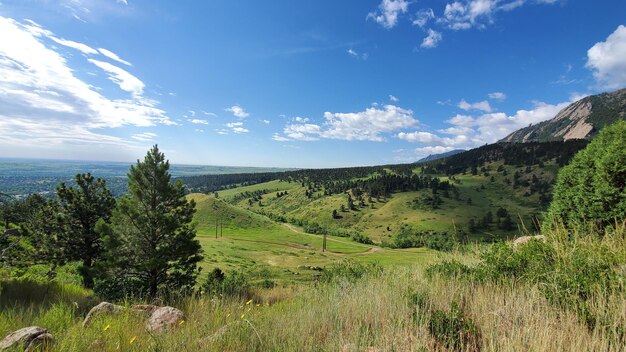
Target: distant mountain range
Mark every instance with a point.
(580, 120)
(432, 157)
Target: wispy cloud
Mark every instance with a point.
(113, 56)
(432, 40)
(481, 105)
(39, 91)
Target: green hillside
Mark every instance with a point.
(283, 253)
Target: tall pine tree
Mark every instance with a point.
(152, 239)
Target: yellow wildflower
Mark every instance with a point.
(181, 322)
(250, 301)
(243, 315)
(132, 340)
(106, 327)
(258, 305)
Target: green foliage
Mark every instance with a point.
(348, 270)
(532, 262)
(590, 191)
(236, 284)
(454, 330)
(408, 237)
(449, 269)
(213, 283)
(82, 207)
(151, 241)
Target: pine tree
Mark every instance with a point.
(82, 207)
(152, 240)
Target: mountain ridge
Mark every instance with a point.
(579, 120)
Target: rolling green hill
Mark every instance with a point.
(488, 193)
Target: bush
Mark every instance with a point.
(348, 270)
(449, 269)
(361, 238)
(214, 281)
(407, 237)
(590, 191)
(236, 285)
(454, 330)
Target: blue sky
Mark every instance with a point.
(294, 83)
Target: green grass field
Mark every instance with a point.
(265, 249)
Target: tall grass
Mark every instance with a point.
(382, 310)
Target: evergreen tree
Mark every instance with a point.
(152, 240)
(590, 191)
(82, 208)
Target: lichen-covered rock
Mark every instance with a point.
(104, 308)
(27, 337)
(165, 318)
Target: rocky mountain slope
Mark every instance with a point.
(580, 120)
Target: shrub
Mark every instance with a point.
(236, 285)
(214, 281)
(361, 238)
(590, 191)
(348, 270)
(449, 269)
(454, 330)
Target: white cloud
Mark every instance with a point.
(267, 122)
(301, 119)
(426, 151)
(200, 122)
(240, 130)
(209, 113)
(423, 16)
(356, 55)
(419, 137)
(113, 56)
(461, 120)
(607, 60)
(277, 137)
(39, 92)
(85, 49)
(497, 96)
(432, 40)
(393, 98)
(388, 12)
(121, 77)
(145, 137)
(481, 105)
(368, 125)
(234, 124)
(238, 111)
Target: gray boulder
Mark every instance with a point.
(30, 338)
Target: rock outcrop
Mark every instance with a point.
(30, 338)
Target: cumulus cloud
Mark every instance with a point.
(432, 40)
(199, 122)
(39, 92)
(469, 132)
(277, 137)
(388, 12)
(238, 111)
(607, 60)
(481, 105)
(423, 16)
(368, 125)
